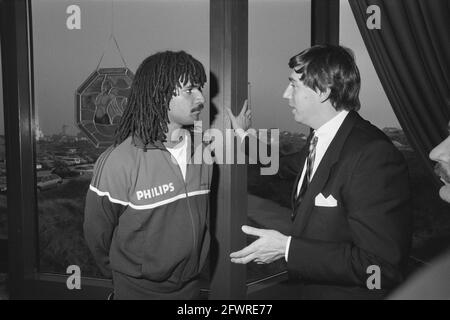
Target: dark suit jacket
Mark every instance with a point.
(332, 247)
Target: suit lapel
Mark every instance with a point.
(322, 173)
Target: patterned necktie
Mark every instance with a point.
(309, 171)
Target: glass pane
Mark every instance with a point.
(76, 70)
(271, 45)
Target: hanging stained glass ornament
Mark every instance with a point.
(102, 98)
(100, 102)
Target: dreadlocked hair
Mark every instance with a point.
(154, 84)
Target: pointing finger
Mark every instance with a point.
(244, 108)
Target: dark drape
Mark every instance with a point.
(411, 53)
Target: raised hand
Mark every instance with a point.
(243, 120)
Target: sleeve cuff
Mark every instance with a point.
(286, 253)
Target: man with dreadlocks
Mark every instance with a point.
(146, 214)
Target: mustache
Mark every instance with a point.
(198, 108)
(442, 172)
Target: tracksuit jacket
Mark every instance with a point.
(143, 220)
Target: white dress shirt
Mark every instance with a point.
(325, 134)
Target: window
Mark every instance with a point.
(270, 47)
(64, 59)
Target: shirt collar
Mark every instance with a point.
(180, 145)
(331, 127)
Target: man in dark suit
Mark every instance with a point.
(351, 228)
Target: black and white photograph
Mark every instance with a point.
(231, 156)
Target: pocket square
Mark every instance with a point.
(321, 201)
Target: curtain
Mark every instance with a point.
(410, 52)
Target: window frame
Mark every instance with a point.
(228, 60)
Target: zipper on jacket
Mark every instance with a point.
(194, 233)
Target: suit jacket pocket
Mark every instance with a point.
(328, 224)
